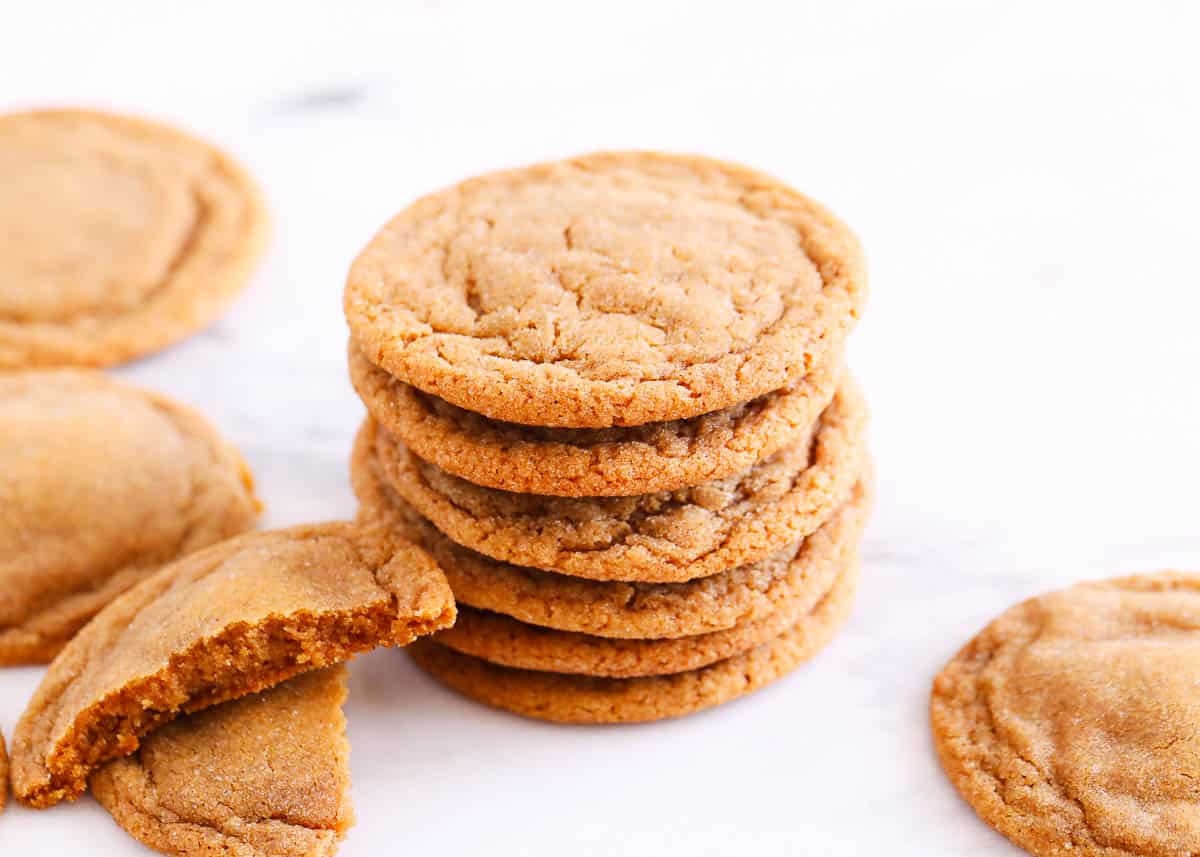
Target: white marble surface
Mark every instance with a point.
(1024, 177)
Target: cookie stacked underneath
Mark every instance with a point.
(607, 395)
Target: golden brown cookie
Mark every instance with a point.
(3, 773)
(666, 537)
(1070, 722)
(118, 237)
(100, 485)
(584, 699)
(266, 775)
(610, 462)
(615, 609)
(499, 639)
(226, 621)
(613, 289)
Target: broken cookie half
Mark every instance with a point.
(266, 775)
(227, 621)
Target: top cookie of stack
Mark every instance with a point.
(624, 367)
(608, 325)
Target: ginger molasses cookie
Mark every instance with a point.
(608, 462)
(118, 237)
(611, 608)
(613, 289)
(500, 639)
(585, 699)
(223, 622)
(265, 775)
(664, 537)
(100, 485)
(1070, 722)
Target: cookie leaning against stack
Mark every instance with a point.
(607, 395)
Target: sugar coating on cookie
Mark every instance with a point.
(613, 289)
(617, 609)
(223, 622)
(585, 699)
(500, 639)
(265, 775)
(661, 537)
(118, 237)
(1070, 722)
(608, 462)
(101, 484)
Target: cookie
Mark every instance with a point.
(118, 237)
(615, 609)
(499, 639)
(610, 462)
(613, 289)
(226, 621)
(100, 485)
(665, 537)
(584, 699)
(263, 776)
(1069, 723)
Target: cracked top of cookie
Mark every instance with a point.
(612, 289)
(1070, 723)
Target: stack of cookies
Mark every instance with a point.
(607, 395)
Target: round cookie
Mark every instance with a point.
(3, 773)
(101, 484)
(1070, 723)
(499, 639)
(118, 237)
(610, 462)
(613, 289)
(223, 622)
(615, 609)
(666, 537)
(585, 699)
(267, 775)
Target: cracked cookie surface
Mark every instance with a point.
(592, 462)
(586, 699)
(118, 237)
(616, 609)
(223, 622)
(101, 484)
(1070, 722)
(266, 775)
(665, 537)
(612, 289)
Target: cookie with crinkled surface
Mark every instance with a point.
(612, 608)
(266, 775)
(608, 462)
(101, 484)
(500, 639)
(612, 289)
(1070, 722)
(118, 237)
(586, 699)
(665, 537)
(223, 622)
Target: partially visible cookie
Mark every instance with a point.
(609, 462)
(584, 699)
(118, 237)
(1070, 722)
(502, 640)
(266, 775)
(612, 289)
(611, 608)
(666, 537)
(223, 622)
(100, 485)
(3, 773)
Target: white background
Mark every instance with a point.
(1025, 180)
